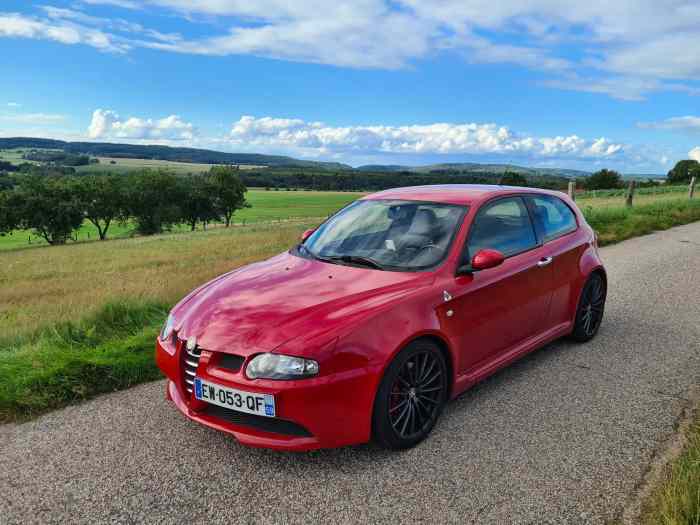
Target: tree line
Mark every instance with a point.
(56, 205)
(347, 180)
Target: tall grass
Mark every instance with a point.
(620, 223)
(677, 501)
(46, 286)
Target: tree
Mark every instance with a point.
(230, 191)
(603, 180)
(198, 202)
(49, 206)
(103, 198)
(511, 178)
(8, 212)
(683, 171)
(153, 201)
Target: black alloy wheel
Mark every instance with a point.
(411, 396)
(590, 309)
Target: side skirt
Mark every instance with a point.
(470, 378)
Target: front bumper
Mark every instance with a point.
(323, 412)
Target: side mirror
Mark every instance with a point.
(485, 259)
(307, 234)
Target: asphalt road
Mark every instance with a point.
(563, 436)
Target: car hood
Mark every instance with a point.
(264, 305)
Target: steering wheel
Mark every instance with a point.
(414, 250)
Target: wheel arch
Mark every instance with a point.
(443, 345)
(600, 270)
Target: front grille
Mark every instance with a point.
(266, 424)
(190, 362)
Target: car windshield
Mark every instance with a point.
(386, 235)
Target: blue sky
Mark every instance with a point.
(540, 83)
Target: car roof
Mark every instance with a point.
(452, 193)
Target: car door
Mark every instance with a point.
(559, 232)
(496, 309)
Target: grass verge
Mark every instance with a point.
(677, 499)
(617, 224)
(109, 350)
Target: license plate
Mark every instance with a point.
(223, 396)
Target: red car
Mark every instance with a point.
(393, 306)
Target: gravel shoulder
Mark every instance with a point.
(563, 436)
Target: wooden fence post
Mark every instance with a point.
(691, 188)
(572, 190)
(630, 194)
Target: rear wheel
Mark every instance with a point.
(410, 396)
(590, 309)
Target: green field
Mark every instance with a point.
(14, 155)
(267, 206)
(118, 164)
(121, 165)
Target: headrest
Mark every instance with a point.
(424, 223)
(542, 213)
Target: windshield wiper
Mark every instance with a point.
(354, 259)
(334, 259)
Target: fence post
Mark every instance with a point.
(691, 188)
(572, 190)
(630, 194)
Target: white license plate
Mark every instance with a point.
(223, 396)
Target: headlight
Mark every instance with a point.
(168, 328)
(276, 366)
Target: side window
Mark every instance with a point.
(555, 218)
(503, 225)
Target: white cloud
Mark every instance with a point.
(15, 25)
(107, 124)
(33, 118)
(14, 105)
(694, 153)
(625, 49)
(316, 138)
(688, 124)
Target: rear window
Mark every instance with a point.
(553, 216)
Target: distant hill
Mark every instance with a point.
(136, 151)
(205, 156)
(474, 167)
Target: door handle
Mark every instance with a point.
(544, 261)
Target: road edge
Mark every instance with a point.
(663, 455)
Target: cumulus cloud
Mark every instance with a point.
(694, 153)
(107, 124)
(441, 138)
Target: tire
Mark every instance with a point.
(411, 396)
(591, 307)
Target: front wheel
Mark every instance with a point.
(411, 396)
(590, 310)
